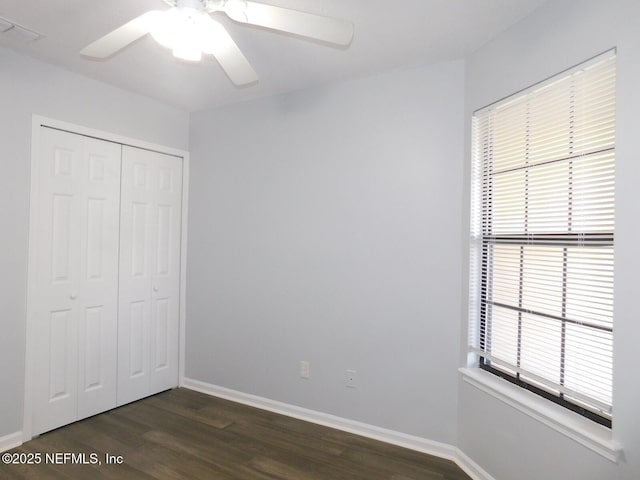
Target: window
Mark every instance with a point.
(542, 238)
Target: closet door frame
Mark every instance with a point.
(38, 122)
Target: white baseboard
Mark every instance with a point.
(10, 441)
(393, 437)
(470, 467)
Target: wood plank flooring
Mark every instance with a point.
(182, 434)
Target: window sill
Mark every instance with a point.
(593, 436)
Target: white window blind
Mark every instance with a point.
(542, 238)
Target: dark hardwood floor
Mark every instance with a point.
(181, 434)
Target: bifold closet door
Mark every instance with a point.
(150, 226)
(76, 293)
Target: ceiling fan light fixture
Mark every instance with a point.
(186, 50)
(184, 30)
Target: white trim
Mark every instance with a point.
(29, 370)
(576, 427)
(393, 437)
(470, 467)
(40, 121)
(10, 441)
(183, 266)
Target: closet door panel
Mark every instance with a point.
(76, 284)
(98, 291)
(166, 274)
(149, 274)
(135, 278)
(56, 312)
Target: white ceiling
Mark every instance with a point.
(388, 35)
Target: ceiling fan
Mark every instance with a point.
(188, 29)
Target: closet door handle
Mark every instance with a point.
(73, 296)
(155, 288)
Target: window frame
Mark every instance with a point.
(480, 299)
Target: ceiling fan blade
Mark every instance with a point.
(229, 56)
(121, 37)
(326, 29)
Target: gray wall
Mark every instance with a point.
(561, 34)
(325, 226)
(28, 86)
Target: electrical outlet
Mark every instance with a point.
(351, 378)
(304, 369)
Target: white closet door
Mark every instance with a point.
(77, 278)
(150, 222)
